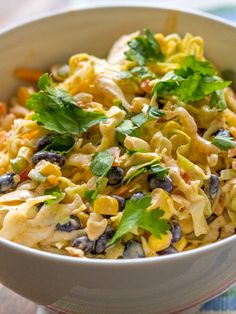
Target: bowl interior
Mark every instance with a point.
(54, 39)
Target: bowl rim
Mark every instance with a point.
(112, 262)
(128, 4)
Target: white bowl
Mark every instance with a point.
(155, 285)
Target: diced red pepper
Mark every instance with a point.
(185, 176)
(24, 175)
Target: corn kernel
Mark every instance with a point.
(186, 225)
(106, 205)
(83, 217)
(160, 244)
(53, 180)
(181, 244)
(46, 169)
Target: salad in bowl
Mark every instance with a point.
(132, 156)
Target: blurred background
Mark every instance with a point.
(16, 11)
(13, 11)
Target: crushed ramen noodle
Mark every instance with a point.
(131, 156)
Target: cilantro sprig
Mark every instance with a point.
(152, 113)
(138, 73)
(101, 164)
(57, 111)
(136, 216)
(193, 81)
(131, 127)
(127, 127)
(144, 49)
(159, 171)
(61, 144)
(224, 142)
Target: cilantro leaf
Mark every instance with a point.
(159, 171)
(131, 127)
(138, 73)
(61, 144)
(127, 127)
(190, 64)
(102, 163)
(56, 192)
(152, 113)
(224, 142)
(193, 81)
(118, 103)
(218, 100)
(88, 196)
(91, 195)
(144, 49)
(136, 216)
(57, 111)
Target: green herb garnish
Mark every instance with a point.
(102, 163)
(57, 111)
(138, 74)
(159, 171)
(152, 113)
(144, 49)
(218, 100)
(193, 81)
(136, 216)
(60, 144)
(224, 142)
(127, 127)
(88, 196)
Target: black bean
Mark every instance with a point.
(168, 251)
(115, 175)
(137, 196)
(176, 232)
(101, 243)
(211, 218)
(201, 131)
(223, 132)
(165, 184)
(43, 142)
(71, 225)
(214, 184)
(7, 182)
(133, 249)
(161, 102)
(121, 202)
(49, 156)
(83, 243)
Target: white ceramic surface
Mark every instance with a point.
(157, 285)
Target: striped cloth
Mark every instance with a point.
(226, 303)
